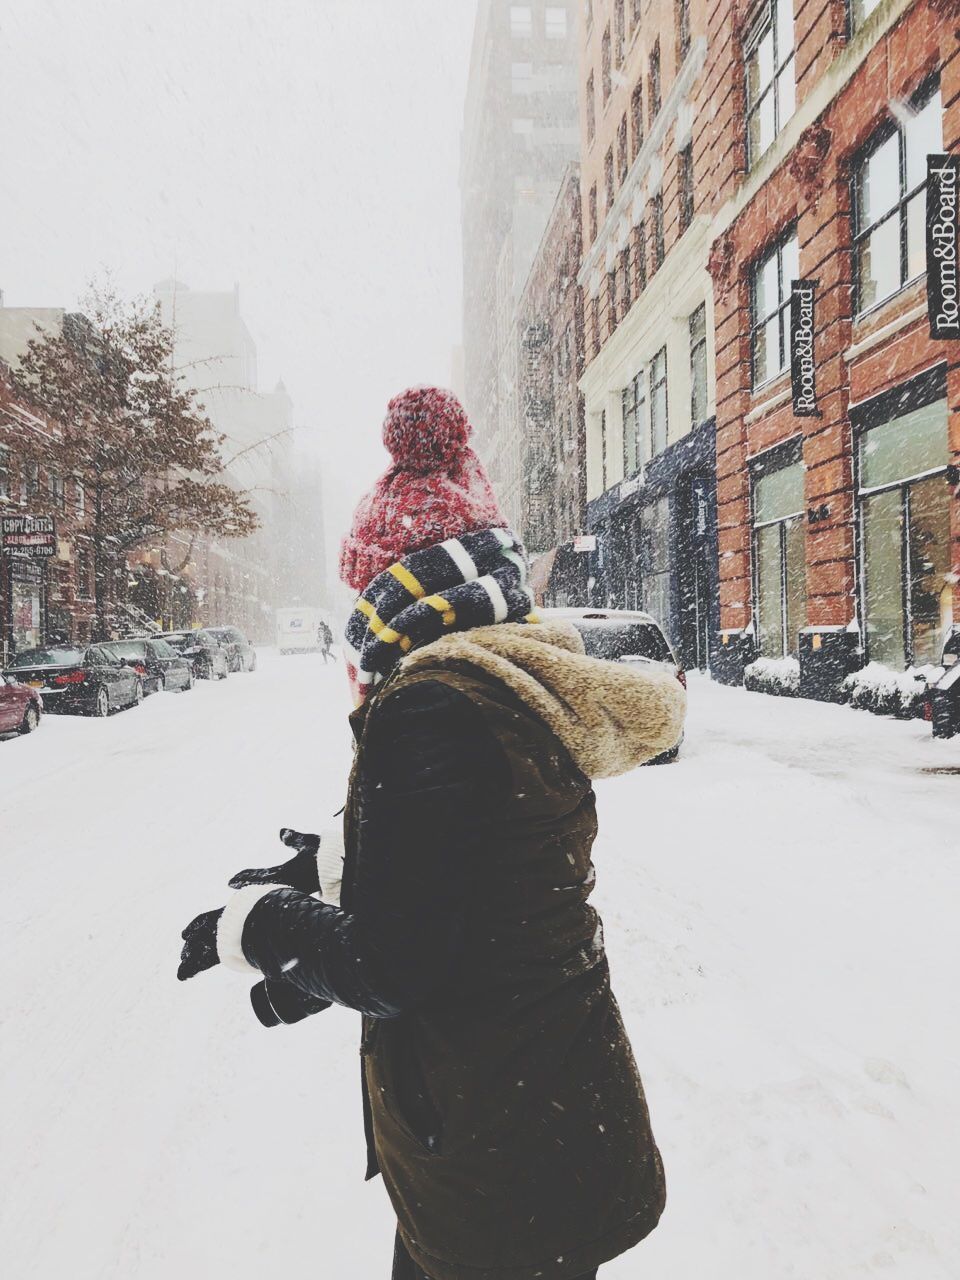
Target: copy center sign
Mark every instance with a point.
(32, 536)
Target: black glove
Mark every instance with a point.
(199, 945)
(299, 873)
(279, 1003)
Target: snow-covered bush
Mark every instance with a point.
(773, 675)
(889, 693)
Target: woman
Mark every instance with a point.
(501, 1099)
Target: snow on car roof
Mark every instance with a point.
(602, 617)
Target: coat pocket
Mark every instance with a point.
(401, 1084)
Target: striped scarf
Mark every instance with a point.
(465, 582)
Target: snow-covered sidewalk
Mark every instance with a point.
(780, 912)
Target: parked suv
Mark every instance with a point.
(206, 654)
(156, 663)
(241, 655)
(622, 635)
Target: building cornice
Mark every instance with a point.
(646, 159)
(841, 71)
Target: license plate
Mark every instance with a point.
(35, 684)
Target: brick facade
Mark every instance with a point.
(850, 86)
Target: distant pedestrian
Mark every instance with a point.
(325, 638)
(502, 1102)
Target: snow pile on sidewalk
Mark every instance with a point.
(889, 693)
(773, 675)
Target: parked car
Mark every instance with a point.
(91, 681)
(156, 663)
(622, 635)
(241, 655)
(20, 706)
(205, 652)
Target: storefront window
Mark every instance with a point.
(905, 521)
(4, 471)
(779, 555)
(655, 561)
(890, 187)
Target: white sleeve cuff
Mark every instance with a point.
(330, 864)
(230, 925)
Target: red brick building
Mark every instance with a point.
(839, 534)
(41, 600)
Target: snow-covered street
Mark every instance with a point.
(780, 909)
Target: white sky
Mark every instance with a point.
(307, 149)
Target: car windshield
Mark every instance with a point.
(160, 649)
(57, 657)
(188, 641)
(628, 640)
(223, 633)
(128, 648)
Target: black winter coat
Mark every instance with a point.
(502, 1101)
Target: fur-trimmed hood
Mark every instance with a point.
(610, 716)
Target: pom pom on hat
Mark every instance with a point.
(425, 429)
(435, 489)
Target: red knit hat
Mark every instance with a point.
(436, 487)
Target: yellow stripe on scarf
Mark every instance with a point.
(443, 607)
(406, 579)
(385, 634)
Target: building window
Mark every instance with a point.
(4, 471)
(636, 431)
(654, 88)
(770, 308)
(603, 450)
(658, 402)
(641, 256)
(594, 226)
(623, 159)
(860, 11)
(31, 484)
(635, 7)
(685, 176)
(81, 496)
(698, 366)
(556, 23)
(683, 29)
(626, 273)
(57, 490)
(611, 301)
(608, 174)
(521, 77)
(636, 113)
(521, 21)
(778, 553)
(889, 203)
(84, 584)
(591, 110)
(595, 317)
(605, 68)
(656, 230)
(655, 560)
(620, 32)
(771, 88)
(905, 536)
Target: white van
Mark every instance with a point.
(298, 630)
